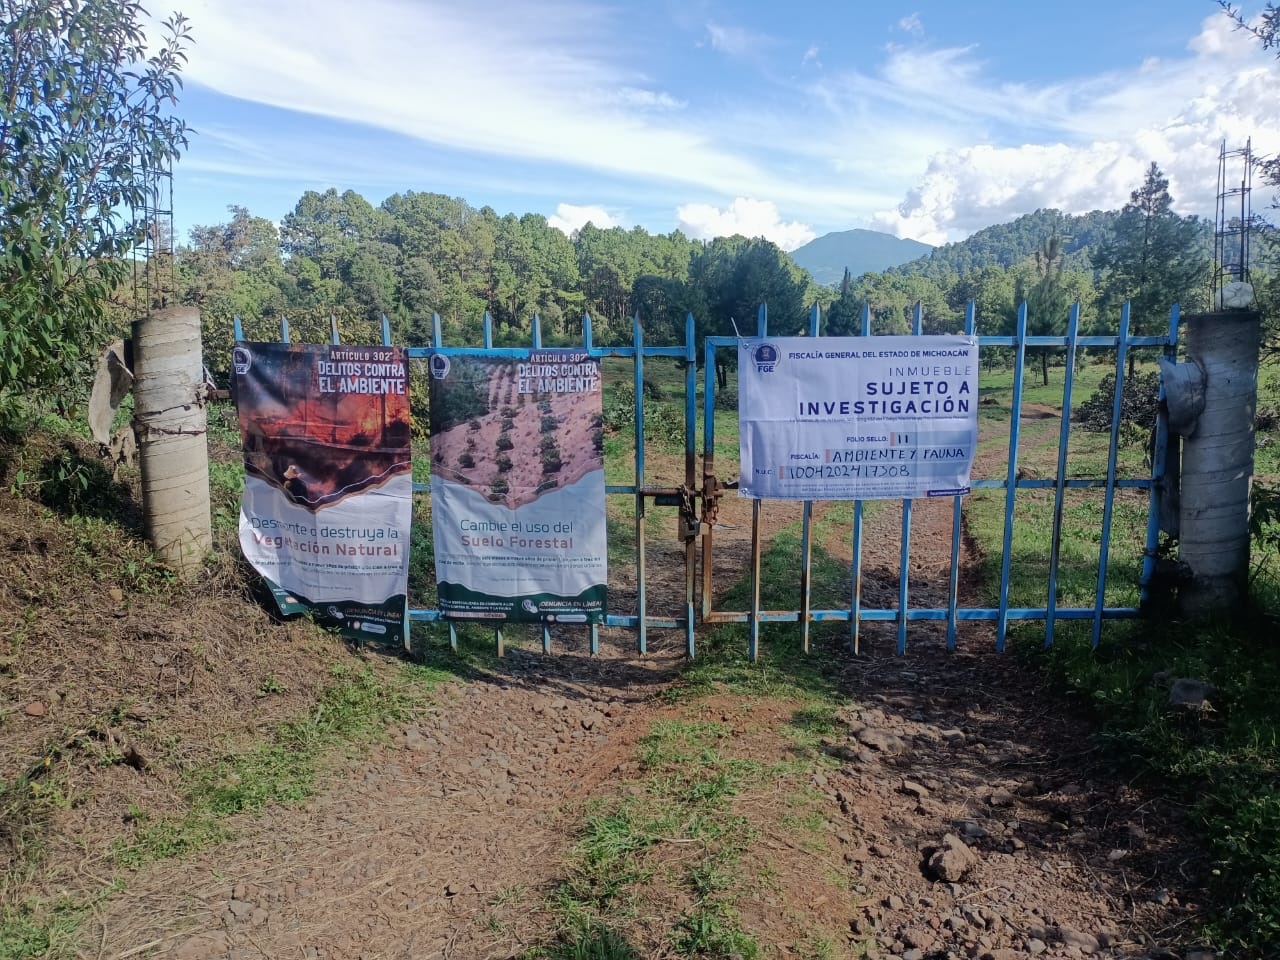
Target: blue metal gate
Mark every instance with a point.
(697, 499)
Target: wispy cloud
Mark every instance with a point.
(734, 41)
(512, 81)
(643, 99)
(926, 142)
(912, 24)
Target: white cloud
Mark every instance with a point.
(570, 217)
(651, 99)
(912, 24)
(1103, 132)
(967, 189)
(749, 217)
(734, 41)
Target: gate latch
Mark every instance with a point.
(689, 525)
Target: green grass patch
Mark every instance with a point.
(784, 669)
(37, 928)
(353, 710)
(678, 826)
(1081, 541)
(684, 803)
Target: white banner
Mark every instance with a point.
(857, 418)
(355, 550)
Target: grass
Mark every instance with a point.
(684, 803)
(784, 669)
(355, 709)
(44, 928)
(1081, 542)
(684, 824)
(1224, 765)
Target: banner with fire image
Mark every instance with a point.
(328, 489)
(517, 486)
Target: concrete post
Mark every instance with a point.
(173, 449)
(1217, 462)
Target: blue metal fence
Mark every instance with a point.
(698, 497)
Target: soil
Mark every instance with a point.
(577, 439)
(448, 839)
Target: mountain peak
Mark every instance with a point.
(860, 251)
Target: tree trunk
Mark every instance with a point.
(1044, 369)
(169, 418)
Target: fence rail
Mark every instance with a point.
(698, 496)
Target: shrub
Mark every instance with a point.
(549, 424)
(504, 463)
(505, 442)
(1137, 406)
(466, 460)
(619, 408)
(1267, 417)
(663, 422)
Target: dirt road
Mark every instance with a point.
(955, 809)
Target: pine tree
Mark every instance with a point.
(1153, 258)
(1048, 302)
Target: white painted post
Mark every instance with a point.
(1217, 462)
(173, 449)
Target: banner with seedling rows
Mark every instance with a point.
(328, 491)
(517, 487)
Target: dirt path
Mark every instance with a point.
(404, 856)
(447, 841)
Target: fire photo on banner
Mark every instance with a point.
(517, 487)
(328, 491)
(857, 418)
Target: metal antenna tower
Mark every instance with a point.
(154, 267)
(1234, 220)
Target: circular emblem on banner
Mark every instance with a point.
(529, 606)
(439, 366)
(765, 356)
(241, 359)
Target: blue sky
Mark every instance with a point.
(925, 119)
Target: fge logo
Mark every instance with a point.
(766, 357)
